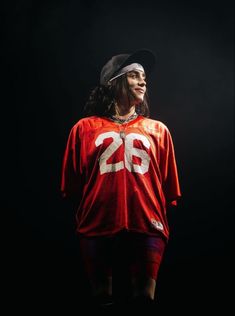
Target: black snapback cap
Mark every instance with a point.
(144, 57)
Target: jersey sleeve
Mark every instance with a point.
(171, 186)
(71, 178)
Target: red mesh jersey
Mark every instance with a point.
(123, 175)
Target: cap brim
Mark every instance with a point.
(144, 57)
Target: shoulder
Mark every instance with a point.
(88, 124)
(154, 125)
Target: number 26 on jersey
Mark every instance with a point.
(129, 152)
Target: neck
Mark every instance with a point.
(124, 112)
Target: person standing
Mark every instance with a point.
(120, 167)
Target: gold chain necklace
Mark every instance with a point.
(122, 132)
(123, 123)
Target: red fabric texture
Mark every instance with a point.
(121, 182)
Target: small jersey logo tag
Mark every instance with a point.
(156, 224)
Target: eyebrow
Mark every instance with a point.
(137, 73)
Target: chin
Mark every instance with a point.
(139, 100)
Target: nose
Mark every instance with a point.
(142, 82)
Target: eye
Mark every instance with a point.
(132, 75)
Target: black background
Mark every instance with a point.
(52, 54)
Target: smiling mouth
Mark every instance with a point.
(140, 91)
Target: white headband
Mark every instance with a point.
(128, 68)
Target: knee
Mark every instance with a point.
(144, 289)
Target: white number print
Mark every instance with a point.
(129, 152)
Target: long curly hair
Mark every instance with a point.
(102, 99)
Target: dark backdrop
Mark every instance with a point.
(53, 52)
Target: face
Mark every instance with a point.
(137, 84)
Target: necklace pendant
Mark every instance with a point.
(122, 135)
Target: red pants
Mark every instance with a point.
(140, 252)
